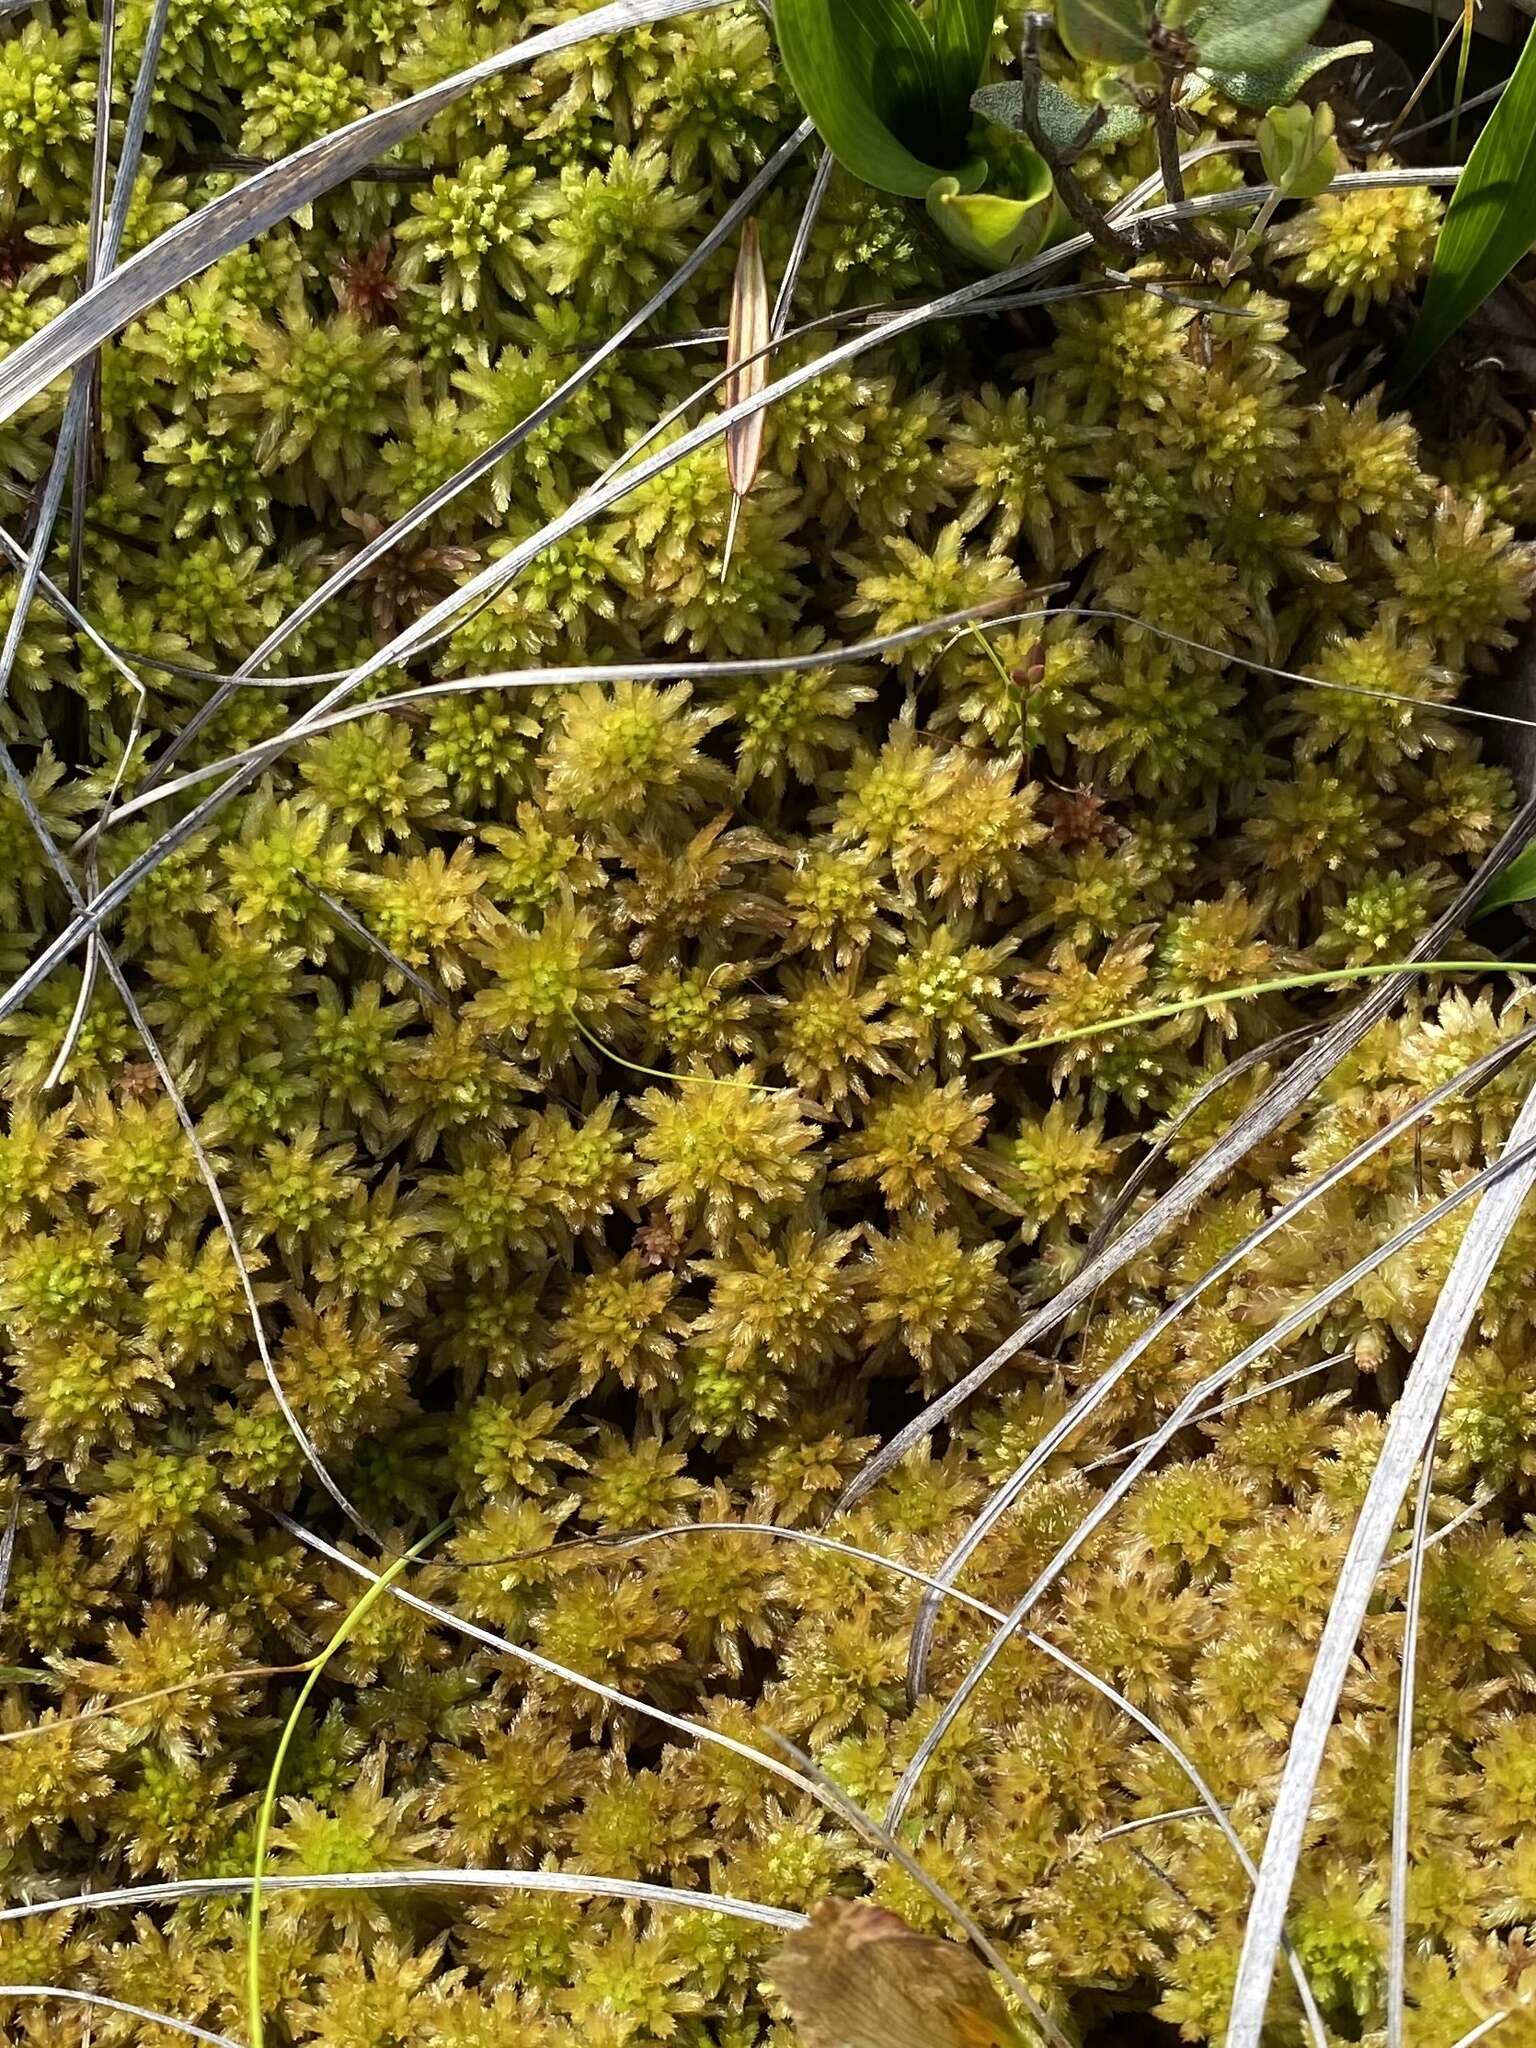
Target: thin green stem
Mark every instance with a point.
(1159, 1011)
(660, 1073)
(374, 1591)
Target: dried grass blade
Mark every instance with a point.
(1513, 1162)
(8, 1544)
(97, 2002)
(1402, 1772)
(1407, 1437)
(746, 359)
(1100, 1389)
(568, 1883)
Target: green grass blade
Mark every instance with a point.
(1491, 222)
(1517, 884)
(349, 1621)
(962, 33)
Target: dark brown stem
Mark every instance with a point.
(1119, 248)
(1167, 131)
(1196, 242)
(1086, 136)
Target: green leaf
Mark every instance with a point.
(20, 1674)
(1061, 116)
(1517, 884)
(855, 66)
(1264, 86)
(1491, 222)
(1104, 31)
(1297, 148)
(991, 231)
(1240, 35)
(962, 37)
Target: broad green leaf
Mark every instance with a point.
(1517, 884)
(1104, 31)
(833, 54)
(1061, 116)
(1491, 222)
(1237, 35)
(1275, 85)
(962, 36)
(993, 232)
(893, 58)
(1297, 148)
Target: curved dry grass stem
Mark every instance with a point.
(1275, 1386)
(568, 1883)
(1409, 1430)
(1513, 1164)
(1093, 1396)
(97, 2002)
(264, 752)
(1402, 1769)
(692, 1731)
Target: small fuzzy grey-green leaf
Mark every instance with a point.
(1234, 35)
(1062, 118)
(1262, 86)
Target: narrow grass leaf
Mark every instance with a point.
(368, 1598)
(1517, 884)
(1491, 221)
